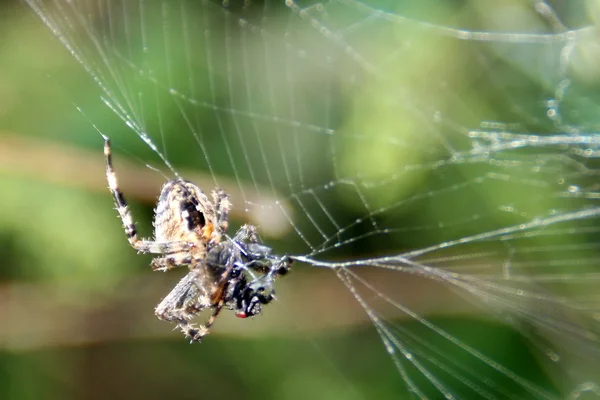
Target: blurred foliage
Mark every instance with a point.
(333, 366)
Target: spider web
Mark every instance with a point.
(452, 145)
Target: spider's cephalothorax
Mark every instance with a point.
(189, 230)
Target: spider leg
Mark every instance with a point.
(171, 261)
(185, 301)
(182, 304)
(220, 302)
(222, 207)
(219, 297)
(247, 233)
(142, 246)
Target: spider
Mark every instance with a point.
(190, 230)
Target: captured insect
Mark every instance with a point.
(190, 230)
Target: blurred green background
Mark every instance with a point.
(76, 302)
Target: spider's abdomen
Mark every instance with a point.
(183, 213)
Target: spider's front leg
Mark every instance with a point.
(142, 246)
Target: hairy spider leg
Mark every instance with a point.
(142, 246)
(218, 298)
(181, 305)
(222, 207)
